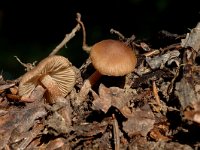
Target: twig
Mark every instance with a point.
(84, 46)
(116, 133)
(6, 86)
(67, 37)
(171, 86)
(128, 41)
(27, 66)
(85, 65)
(172, 46)
(151, 53)
(155, 92)
(121, 36)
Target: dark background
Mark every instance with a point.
(31, 29)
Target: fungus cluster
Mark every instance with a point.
(54, 73)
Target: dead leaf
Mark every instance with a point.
(14, 90)
(55, 144)
(18, 122)
(6, 86)
(185, 92)
(140, 123)
(101, 103)
(193, 115)
(192, 39)
(159, 61)
(157, 135)
(108, 97)
(91, 129)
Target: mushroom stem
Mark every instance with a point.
(94, 77)
(89, 83)
(52, 87)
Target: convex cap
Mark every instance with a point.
(113, 58)
(55, 73)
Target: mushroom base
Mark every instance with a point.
(88, 84)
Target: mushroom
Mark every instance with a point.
(112, 58)
(109, 57)
(54, 73)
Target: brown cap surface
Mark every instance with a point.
(113, 58)
(58, 68)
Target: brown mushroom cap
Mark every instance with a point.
(113, 58)
(58, 68)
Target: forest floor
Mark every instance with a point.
(155, 107)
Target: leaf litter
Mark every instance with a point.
(157, 106)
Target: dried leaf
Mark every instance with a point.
(101, 103)
(56, 124)
(141, 122)
(126, 111)
(193, 115)
(28, 137)
(25, 122)
(108, 97)
(159, 61)
(18, 122)
(60, 120)
(91, 129)
(192, 39)
(55, 144)
(185, 92)
(14, 90)
(6, 86)
(156, 135)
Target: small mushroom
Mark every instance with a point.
(54, 73)
(109, 57)
(112, 58)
